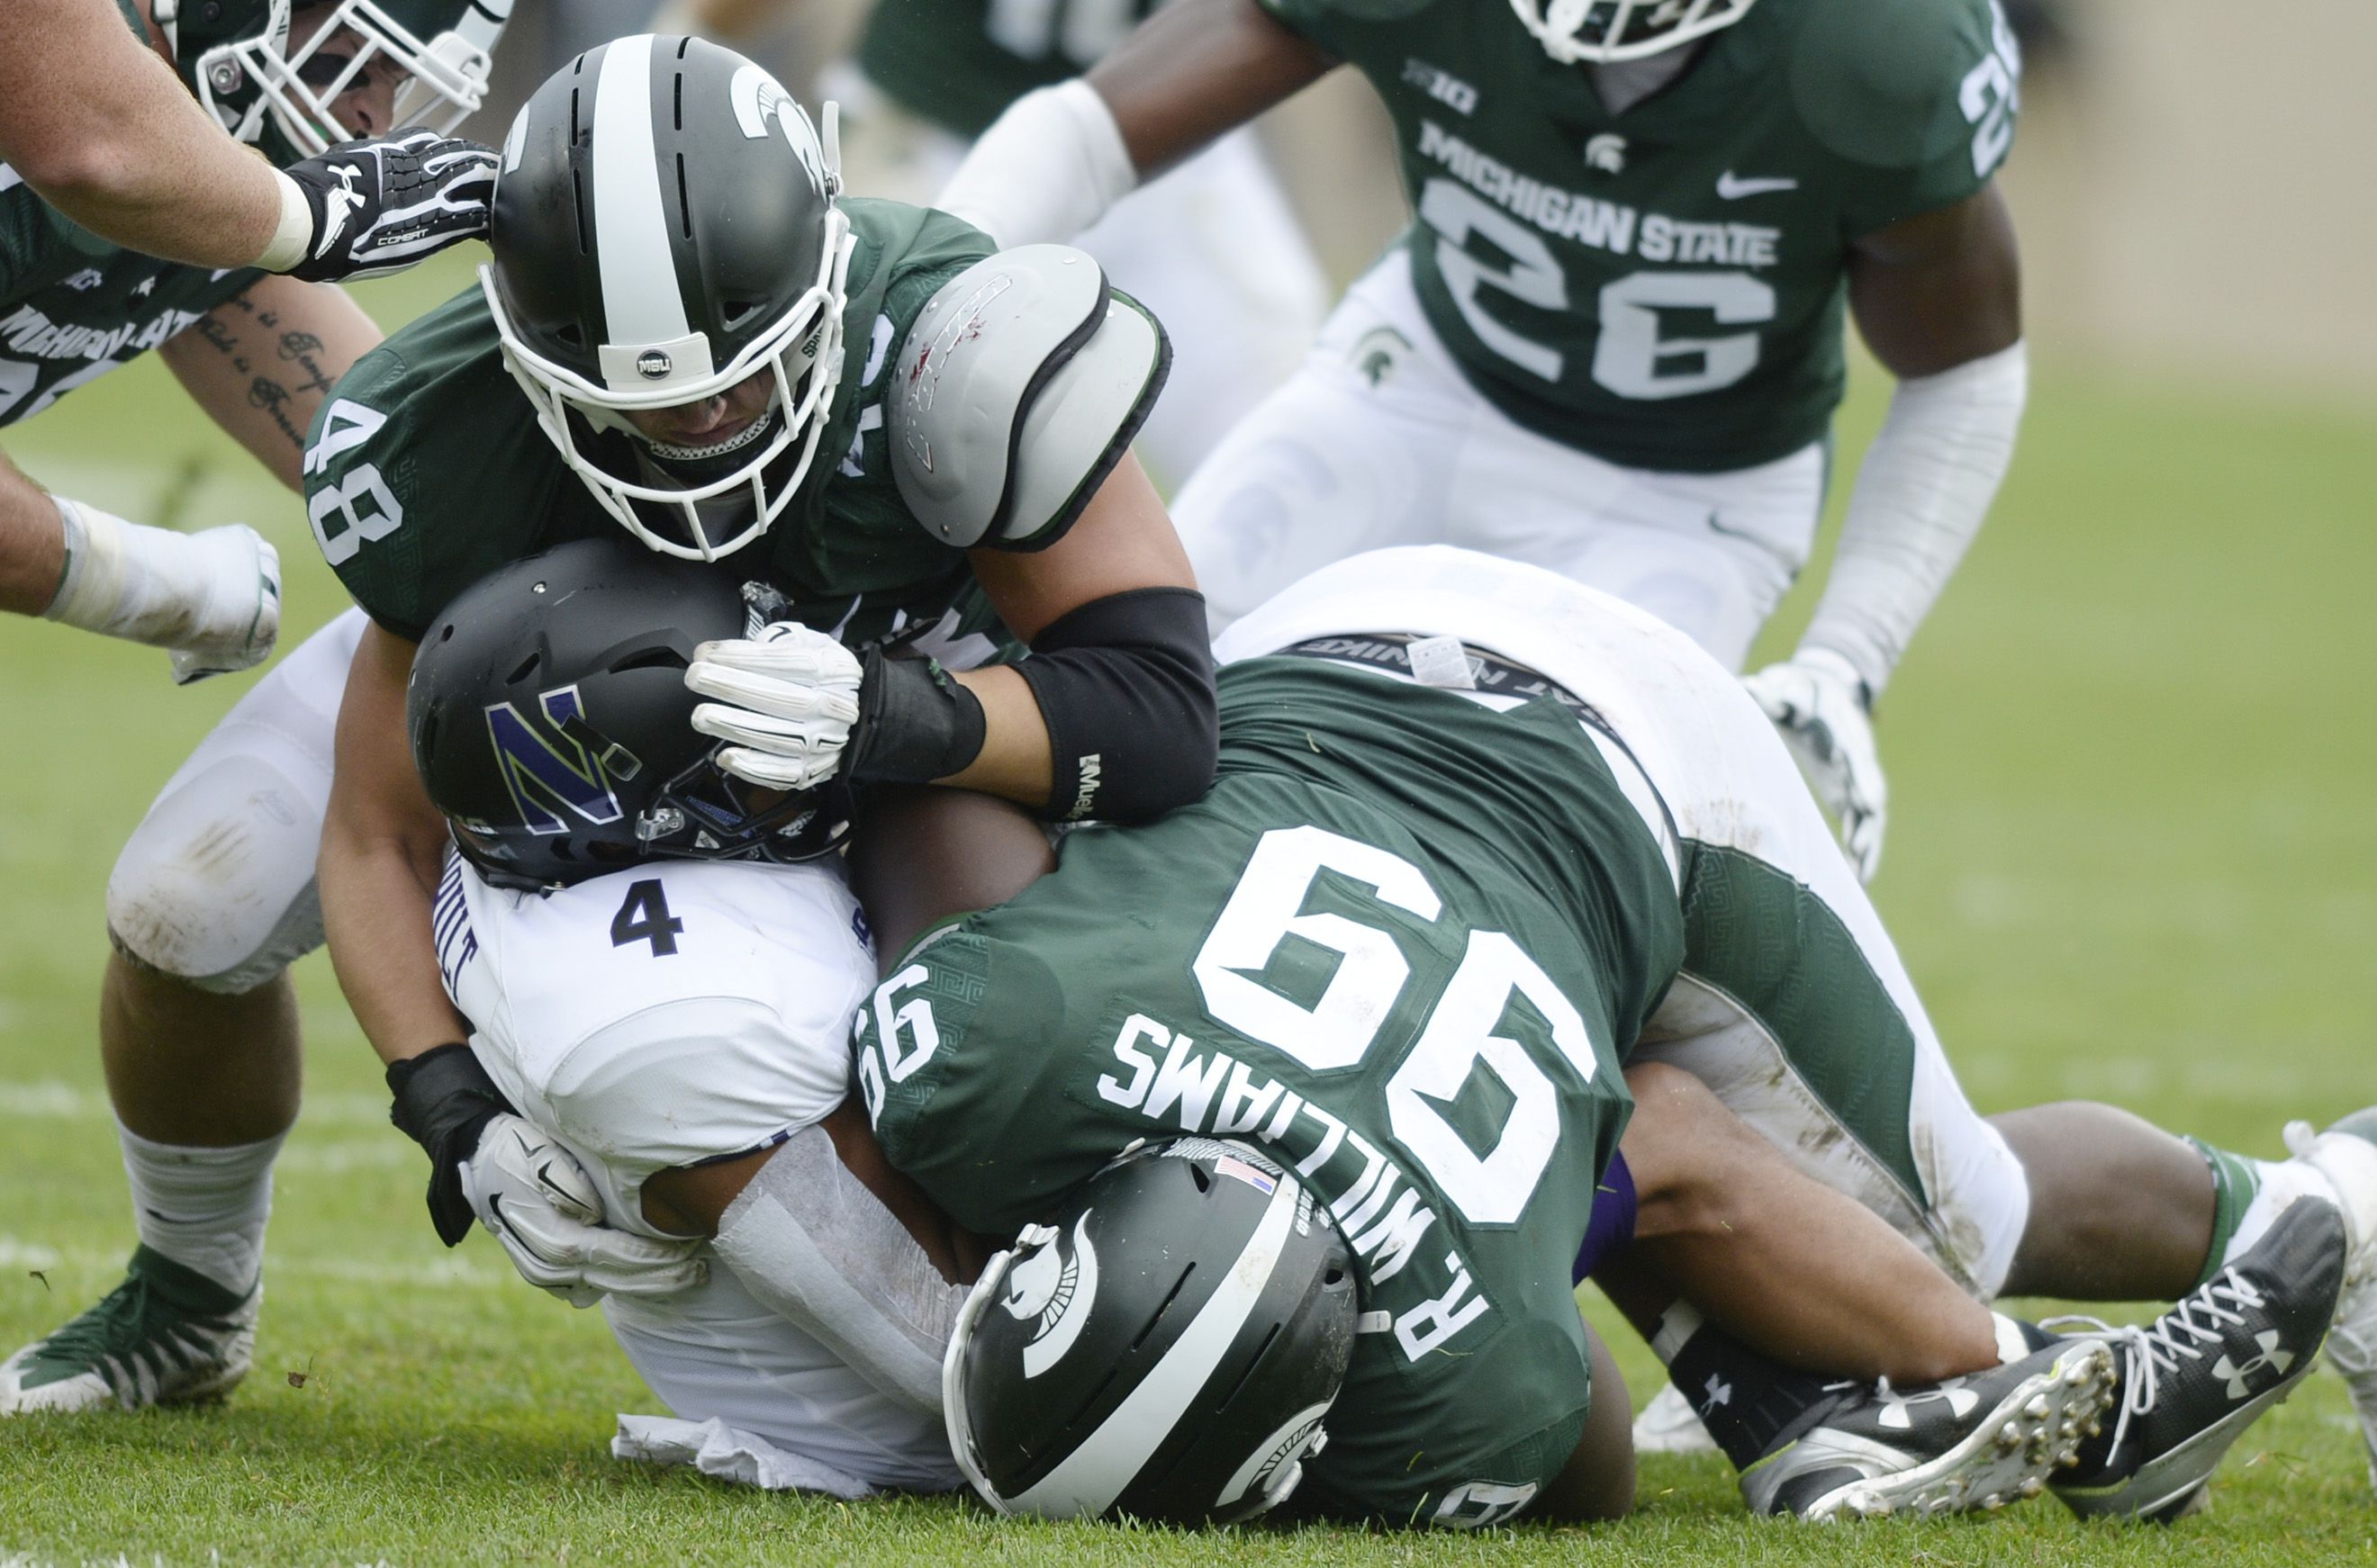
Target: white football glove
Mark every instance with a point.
(1816, 700)
(546, 1211)
(235, 605)
(786, 702)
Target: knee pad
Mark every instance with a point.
(216, 887)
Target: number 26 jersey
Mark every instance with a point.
(1663, 287)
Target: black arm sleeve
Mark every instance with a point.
(1126, 683)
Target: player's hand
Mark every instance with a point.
(548, 1213)
(235, 616)
(382, 203)
(1819, 704)
(785, 702)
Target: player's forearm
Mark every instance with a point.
(1013, 761)
(376, 893)
(1059, 158)
(1048, 168)
(263, 364)
(100, 127)
(1920, 497)
(32, 544)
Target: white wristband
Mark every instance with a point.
(293, 238)
(1045, 170)
(1920, 497)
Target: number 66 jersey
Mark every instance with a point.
(1401, 945)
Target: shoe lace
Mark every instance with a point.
(133, 1327)
(2150, 1351)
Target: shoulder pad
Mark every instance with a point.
(1017, 388)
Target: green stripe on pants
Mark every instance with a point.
(1759, 935)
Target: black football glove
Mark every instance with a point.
(444, 1101)
(382, 203)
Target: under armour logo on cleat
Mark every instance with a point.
(1719, 1393)
(1898, 1409)
(2278, 1361)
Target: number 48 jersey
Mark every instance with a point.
(1663, 287)
(1402, 946)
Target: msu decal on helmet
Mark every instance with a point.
(1166, 1346)
(551, 724)
(1602, 32)
(271, 72)
(664, 232)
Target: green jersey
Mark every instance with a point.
(960, 62)
(73, 306)
(1404, 942)
(426, 471)
(1663, 287)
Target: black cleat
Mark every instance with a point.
(1969, 1443)
(2196, 1377)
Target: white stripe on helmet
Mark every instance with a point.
(1103, 1464)
(641, 303)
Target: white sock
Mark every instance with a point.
(203, 1207)
(2281, 1182)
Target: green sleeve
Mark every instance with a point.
(424, 470)
(1918, 97)
(959, 1060)
(356, 443)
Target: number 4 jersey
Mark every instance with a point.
(1663, 287)
(1401, 945)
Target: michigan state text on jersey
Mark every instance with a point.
(1611, 342)
(199, 1019)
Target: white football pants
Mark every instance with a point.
(1213, 248)
(1792, 1006)
(216, 885)
(1378, 440)
(715, 1352)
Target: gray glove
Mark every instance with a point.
(548, 1213)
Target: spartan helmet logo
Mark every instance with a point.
(1057, 1289)
(758, 97)
(1605, 152)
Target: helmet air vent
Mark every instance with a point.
(660, 657)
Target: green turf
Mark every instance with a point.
(2130, 857)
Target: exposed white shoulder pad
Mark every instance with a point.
(1016, 391)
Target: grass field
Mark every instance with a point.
(2132, 857)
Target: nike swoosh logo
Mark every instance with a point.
(1733, 188)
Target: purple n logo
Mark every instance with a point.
(546, 778)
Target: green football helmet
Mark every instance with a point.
(239, 58)
(1601, 32)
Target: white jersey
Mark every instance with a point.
(683, 1011)
(678, 1012)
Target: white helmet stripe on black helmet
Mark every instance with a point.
(1103, 1465)
(653, 249)
(642, 301)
